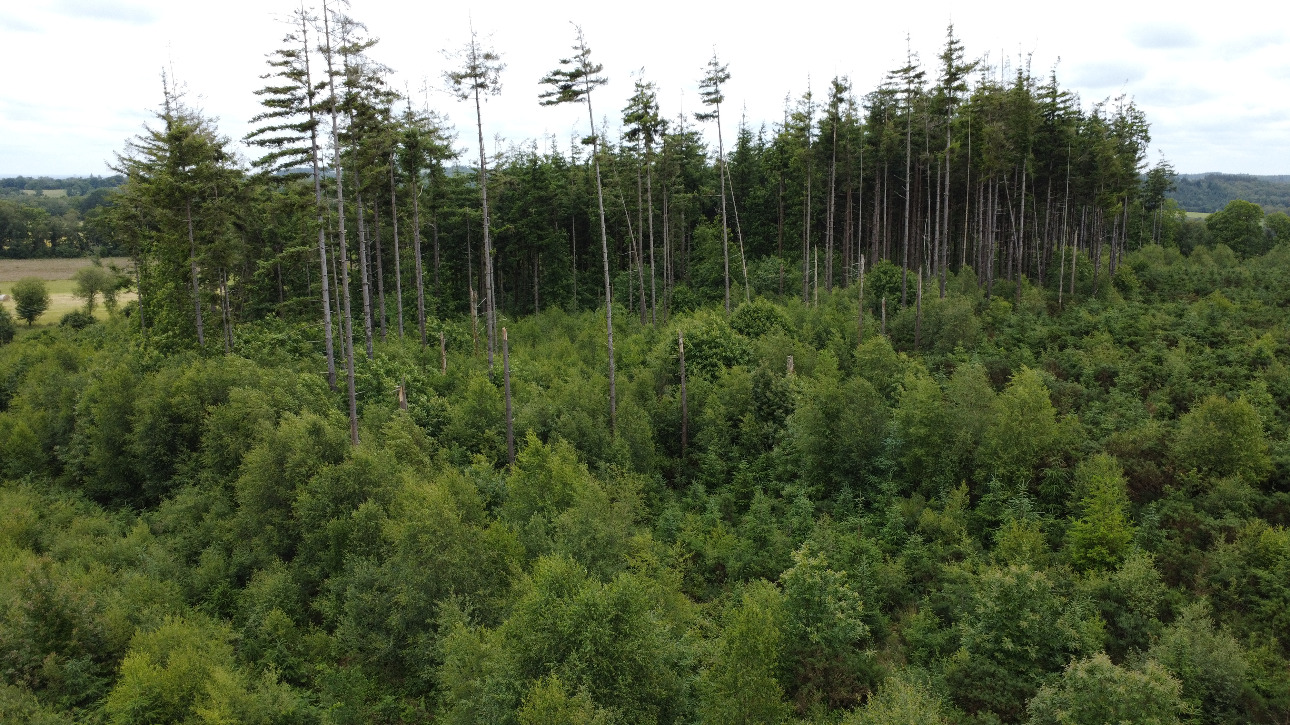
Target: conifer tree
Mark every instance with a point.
(479, 75)
(710, 94)
(291, 104)
(573, 83)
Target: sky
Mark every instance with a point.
(84, 75)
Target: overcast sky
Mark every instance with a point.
(83, 74)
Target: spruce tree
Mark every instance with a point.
(573, 83)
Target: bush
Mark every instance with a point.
(6, 326)
(757, 318)
(77, 320)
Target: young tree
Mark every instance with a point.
(573, 83)
(329, 55)
(290, 118)
(710, 94)
(479, 75)
(30, 298)
(645, 126)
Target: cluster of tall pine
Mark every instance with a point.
(361, 211)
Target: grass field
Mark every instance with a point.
(57, 274)
(1196, 214)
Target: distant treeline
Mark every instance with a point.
(1211, 192)
(42, 225)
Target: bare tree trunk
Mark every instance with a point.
(725, 231)
(739, 234)
(344, 251)
(318, 203)
(364, 268)
(416, 260)
(192, 269)
(685, 410)
(649, 197)
(904, 263)
(398, 272)
(443, 354)
(506, 382)
(228, 317)
(828, 232)
(380, 266)
(918, 313)
(860, 325)
(490, 308)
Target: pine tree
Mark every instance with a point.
(573, 83)
(479, 75)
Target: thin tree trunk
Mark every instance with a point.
(192, 268)
(416, 260)
(649, 197)
(344, 251)
(685, 410)
(506, 383)
(904, 263)
(318, 204)
(725, 231)
(398, 271)
(860, 325)
(739, 234)
(364, 268)
(490, 306)
(604, 253)
(380, 266)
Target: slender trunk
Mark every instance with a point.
(904, 262)
(725, 231)
(394, 223)
(192, 269)
(779, 232)
(506, 384)
(739, 234)
(228, 317)
(1021, 236)
(348, 340)
(649, 200)
(443, 354)
(918, 312)
(685, 410)
(318, 205)
(380, 266)
(828, 232)
(490, 304)
(883, 304)
(860, 317)
(416, 260)
(640, 237)
(604, 254)
(364, 268)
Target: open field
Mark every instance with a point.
(57, 274)
(1196, 214)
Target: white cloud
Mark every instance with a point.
(94, 92)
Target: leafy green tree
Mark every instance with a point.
(901, 699)
(741, 685)
(1100, 537)
(1219, 438)
(548, 702)
(573, 83)
(30, 298)
(92, 281)
(1278, 224)
(827, 637)
(1016, 628)
(479, 76)
(1239, 225)
(1023, 430)
(1209, 662)
(1094, 691)
(6, 326)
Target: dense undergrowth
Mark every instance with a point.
(1040, 514)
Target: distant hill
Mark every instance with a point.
(1212, 191)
